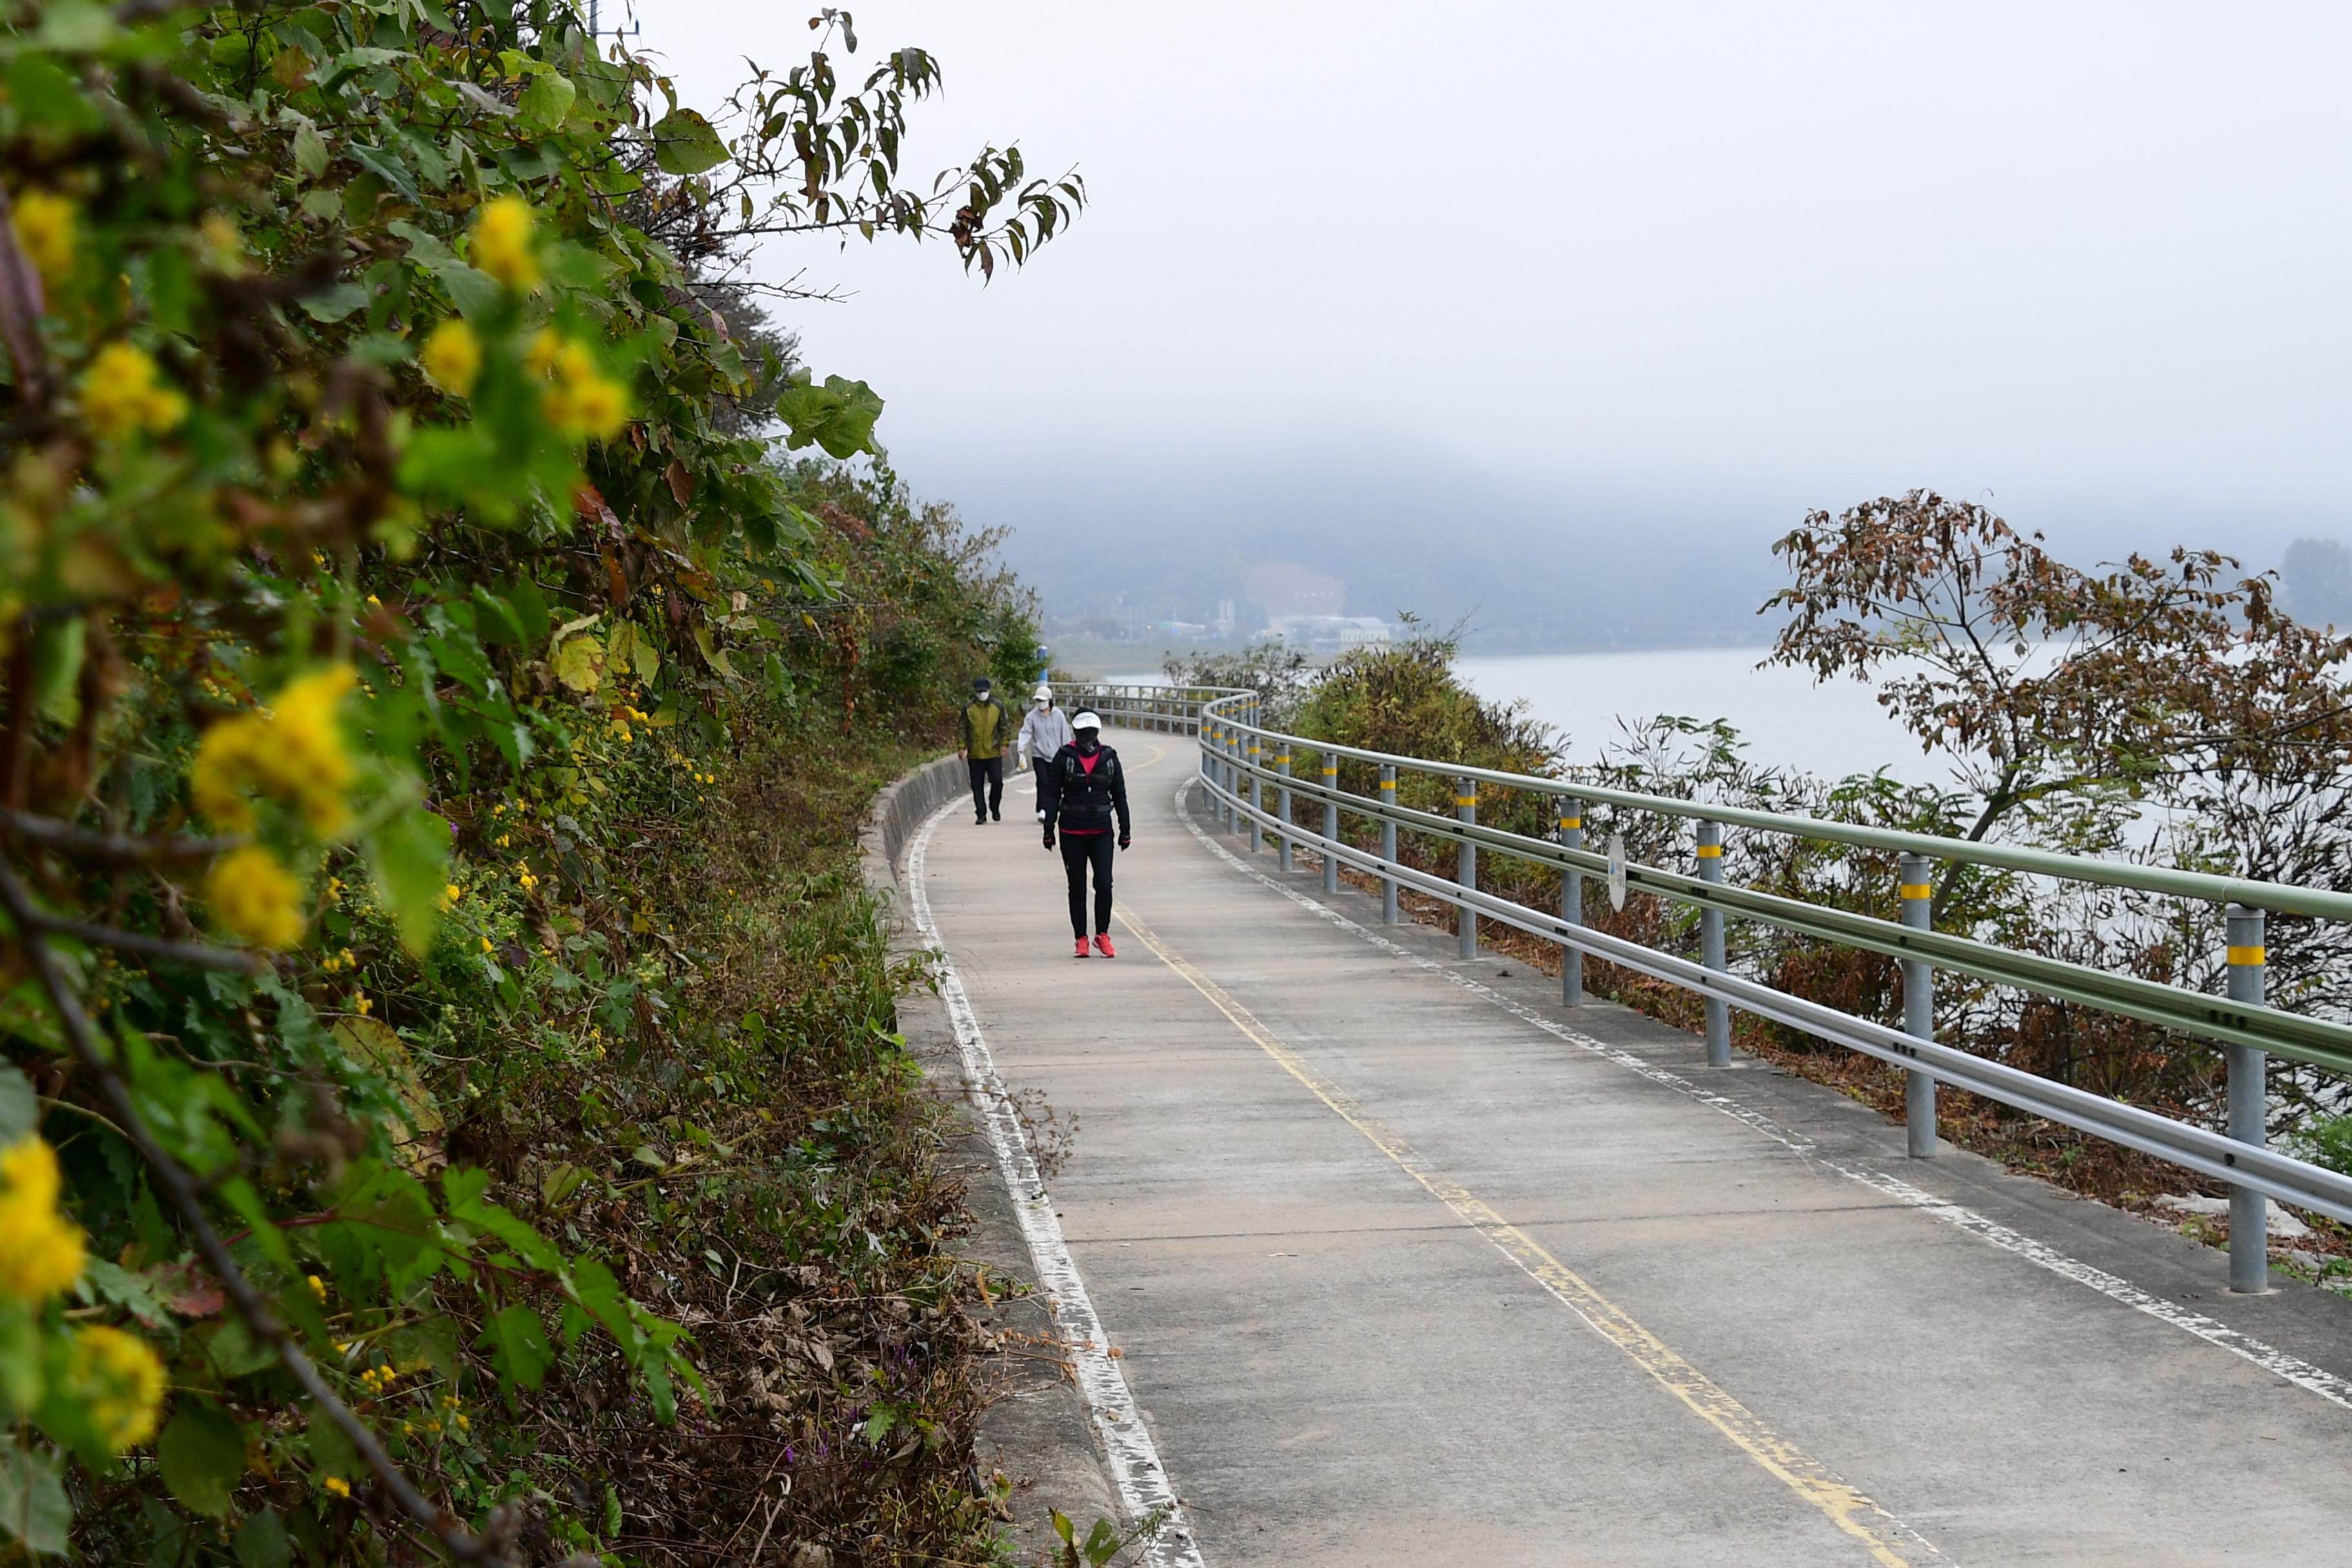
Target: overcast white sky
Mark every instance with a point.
(2089, 258)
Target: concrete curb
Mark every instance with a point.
(1035, 1432)
(898, 811)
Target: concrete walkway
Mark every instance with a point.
(1408, 1263)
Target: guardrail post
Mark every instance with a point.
(1257, 794)
(1213, 759)
(2250, 1239)
(1236, 755)
(1388, 844)
(1571, 902)
(1282, 809)
(1918, 1010)
(1710, 942)
(1465, 919)
(1226, 772)
(1331, 825)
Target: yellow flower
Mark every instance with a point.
(502, 242)
(592, 409)
(450, 894)
(40, 1249)
(363, 1005)
(256, 897)
(28, 1173)
(224, 246)
(318, 1287)
(224, 766)
(120, 394)
(546, 348)
(451, 356)
(312, 768)
(45, 222)
(293, 754)
(582, 403)
(121, 1381)
(337, 1485)
(486, 944)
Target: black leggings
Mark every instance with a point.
(1049, 784)
(1078, 850)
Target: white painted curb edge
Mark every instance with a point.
(1134, 1460)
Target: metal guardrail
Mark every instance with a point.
(1245, 770)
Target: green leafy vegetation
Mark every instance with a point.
(451, 1100)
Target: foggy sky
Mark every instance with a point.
(1697, 266)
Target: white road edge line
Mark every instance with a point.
(2270, 1358)
(1135, 1466)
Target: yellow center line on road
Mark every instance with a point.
(1886, 1538)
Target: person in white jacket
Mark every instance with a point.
(1045, 730)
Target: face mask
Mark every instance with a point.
(1087, 742)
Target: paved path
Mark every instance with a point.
(1408, 1263)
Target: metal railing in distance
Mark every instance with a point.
(1237, 767)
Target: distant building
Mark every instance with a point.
(1329, 633)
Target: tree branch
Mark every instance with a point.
(116, 851)
(180, 1187)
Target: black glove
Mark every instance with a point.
(1122, 841)
(1049, 838)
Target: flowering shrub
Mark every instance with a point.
(381, 529)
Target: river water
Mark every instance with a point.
(1786, 719)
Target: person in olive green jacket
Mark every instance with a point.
(985, 733)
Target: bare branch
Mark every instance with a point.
(116, 851)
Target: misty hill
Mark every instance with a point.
(1534, 567)
(1529, 571)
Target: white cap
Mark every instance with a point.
(1085, 719)
(1044, 693)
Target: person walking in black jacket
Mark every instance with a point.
(1089, 792)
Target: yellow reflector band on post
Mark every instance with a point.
(1388, 783)
(1466, 800)
(1710, 851)
(1571, 822)
(1330, 769)
(2247, 955)
(1918, 890)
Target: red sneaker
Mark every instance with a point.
(1103, 946)
(1082, 948)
